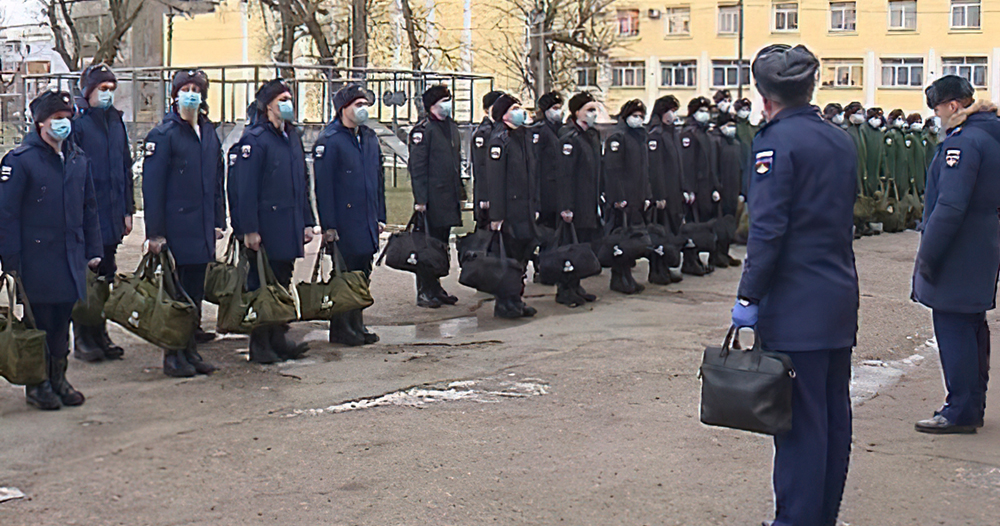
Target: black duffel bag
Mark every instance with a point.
(477, 240)
(663, 243)
(561, 262)
(701, 235)
(414, 250)
(747, 390)
(623, 244)
(491, 270)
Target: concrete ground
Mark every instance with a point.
(584, 416)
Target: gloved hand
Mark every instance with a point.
(485, 205)
(716, 197)
(420, 208)
(94, 263)
(689, 197)
(661, 204)
(331, 235)
(567, 215)
(741, 198)
(744, 314)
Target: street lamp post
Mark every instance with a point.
(739, 66)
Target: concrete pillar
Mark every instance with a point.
(652, 80)
(932, 70)
(704, 75)
(872, 75)
(995, 75)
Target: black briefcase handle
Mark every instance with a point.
(732, 343)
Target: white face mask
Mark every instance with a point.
(838, 118)
(899, 123)
(917, 126)
(743, 114)
(634, 121)
(553, 114)
(590, 118)
(724, 106)
(729, 131)
(702, 116)
(875, 122)
(857, 118)
(669, 117)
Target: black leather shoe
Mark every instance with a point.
(42, 396)
(568, 296)
(111, 351)
(734, 262)
(527, 311)
(86, 347)
(60, 386)
(175, 366)
(692, 264)
(588, 297)
(261, 350)
(939, 425)
(506, 309)
(428, 301)
(445, 298)
(285, 347)
(357, 320)
(676, 276)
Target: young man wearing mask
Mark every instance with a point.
(511, 186)
(666, 177)
(723, 103)
(477, 150)
(626, 184)
(897, 157)
(182, 188)
(855, 125)
(50, 234)
(918, 153)
(545, 139)
(874, 139)
(98, 129)
(745, 131)
(698, 152)
(435, 166)
(577, 183)
(274, 206)
(350, 197)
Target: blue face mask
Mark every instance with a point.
(517, 118)
(445, 108)
(105, 99)
(361, 115)
(59, 129)
(287, 110)
(189, 100)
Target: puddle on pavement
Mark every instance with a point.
(487, 391)
(421, 332)
(872, 376)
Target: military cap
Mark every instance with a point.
(631, 107)
(347, 95)
(580, 100)
(501, 106)
(189, 76)
(947, 89)
(665, 104)
(94, 76)
(785, 73)
(50, 103)
(271, 90)
(434, 94)
(490, 98)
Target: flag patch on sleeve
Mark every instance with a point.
(952, 157)
(763, 162)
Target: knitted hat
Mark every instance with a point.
(50, 103)
(580, 100)
(785, 73)
(698, 103)
(947, 89)
(501, 106)
(665, 104)
(490, 98)
(435, 94)
(94, 76)
(548, 100)
(347, 95)
(189, 76)
(271, 90)
(631, 107)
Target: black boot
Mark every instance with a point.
(285, 347)
(60, 386)
(619, 283)
(86, 347)
(719, 259)
(42, 396)
(658, 272)
(580, 291)
(441, 294)
(176, 366)
(675, 275)
(527, 311)
(734, 262)
(261, 350)
(567, 295)
(192, 357)
(506, 308)
(357, 320)
(692, 263)
(111, 351)
(426, 297)
(342, 332)
(630, 280)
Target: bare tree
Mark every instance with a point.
(425, 50)
(62, 17)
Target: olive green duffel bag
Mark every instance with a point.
(221, 277)
(22, 345)
(340, 292)
(152, 305)
(271, 304)
(90, 312)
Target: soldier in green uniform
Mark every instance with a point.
(897, 157)
(918, 154)
(874, 139)
(931, 139)
(854, 124)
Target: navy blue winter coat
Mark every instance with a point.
(182, 188)
(102, 136)
(800, 257)
(350, 186)
(959, 255)
(48, 219)
(273, 188)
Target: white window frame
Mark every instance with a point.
(678, 18)
(901, 6)
(964, 8)
(587, 70)
(788, 14)
(622, 71)
(730, 68)
(841, 65)
(631, 29)
(848, 12)
(967, 67)
(687, 68)
(729, 15)
(896, 64)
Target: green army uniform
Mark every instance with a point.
(875, 161)
(745, 133)
(859, 144)
(918, 161)
(897, 162)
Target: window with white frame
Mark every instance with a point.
(628, 22)
(786, 16)
(679, 74)
(729, 19)
(726, 73)
(843, 16)
(902, 72)
(628, 74)
(972, 69)
(842, 73)
(586, 76)
(965, 14)
(678, 21)
(903, 14)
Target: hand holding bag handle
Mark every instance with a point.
(13, 284)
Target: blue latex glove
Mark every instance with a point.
(744, 315)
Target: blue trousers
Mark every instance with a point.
(964, 347)
(53, 318)
(811, 460)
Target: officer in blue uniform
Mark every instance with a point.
(182, 188)
(233, 166)
(49, 234)
(800, 286)
(274, 206)
(478, 154)
(98, 129)
(350, 197)
(959, 254)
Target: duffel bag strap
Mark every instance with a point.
(13, 284)
(264, 270)
(338, 261)
(318, 266)
(170, 266)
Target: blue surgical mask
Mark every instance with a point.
(189, 100)
(517, 118)
(445, 108)
(105, 99)
(361, 115)
(59, 129)
(287, 110)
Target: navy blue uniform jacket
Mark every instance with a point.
(350, 186)
(273, 189)
(182, 188)
(800, 258)
(102, 136)
(956, 266)
(48, 219)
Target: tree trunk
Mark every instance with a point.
(411, 34)
(359, 35)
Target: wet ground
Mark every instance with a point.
(578, 416)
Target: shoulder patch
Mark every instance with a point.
(5, 173)
(888, 141)
(652, 146)
(319, 151)
(418, 137)
(534, 138)
(908, 143)
(480, 141)
(232, 159)
(150, 148)
(952, 156)
(763, 162)
(495, 152)
(686, 142)
(614, 146)
(567, 148)
(245, 151)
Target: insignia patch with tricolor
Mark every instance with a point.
(614, 146)
(652, 146)
(685, 142)
(320, 150)
(150, 148)
(417, 137)
(5, 173)
(246, 151)
(534, 138)
(763, 164)
(232, 159)
(495, 152)
(479, 142)
(567, 149)
(952, 157)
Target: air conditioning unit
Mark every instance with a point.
(654, 14)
